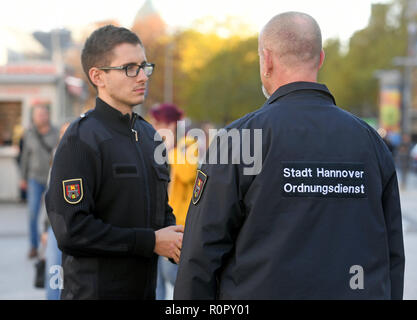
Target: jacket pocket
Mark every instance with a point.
(162, 181)
(125, 170)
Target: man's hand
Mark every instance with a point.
(168, 242)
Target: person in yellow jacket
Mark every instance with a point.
(182, 160)
(183, 166)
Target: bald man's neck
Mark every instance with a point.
(294, 76)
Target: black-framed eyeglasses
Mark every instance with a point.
(132, 70)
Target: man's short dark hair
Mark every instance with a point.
(97, 51)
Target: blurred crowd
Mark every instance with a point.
(404, 152)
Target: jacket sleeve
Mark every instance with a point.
(79, 232)
(393, 220)
(170, 219)
(213, 223)
(211, 229)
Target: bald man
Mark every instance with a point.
(321, 219)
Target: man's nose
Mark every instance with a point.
(142, 76)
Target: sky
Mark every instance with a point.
(337, 18)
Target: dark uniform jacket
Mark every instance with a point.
(106, 198)
(322, 220)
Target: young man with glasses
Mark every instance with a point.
(107, 200)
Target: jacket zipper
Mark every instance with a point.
(136, 134)
(133, 130)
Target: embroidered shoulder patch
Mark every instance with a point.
(200, 182)
(73, 190)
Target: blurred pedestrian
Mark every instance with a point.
(165, 117)
(39, 141)
(182, 176)
(317, 216)
(107, 199)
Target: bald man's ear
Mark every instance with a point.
(267, 62)
(322, 56)
(96, 76)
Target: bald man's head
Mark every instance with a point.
(294, 38)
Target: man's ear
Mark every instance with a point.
(322, 56)
(267, 62)
(96, 76)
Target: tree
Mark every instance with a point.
(228, 86)
(351, 76)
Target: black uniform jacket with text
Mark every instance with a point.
(321, 220)
(106, 198)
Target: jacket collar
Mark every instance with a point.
(114, 118)
(300, 85)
